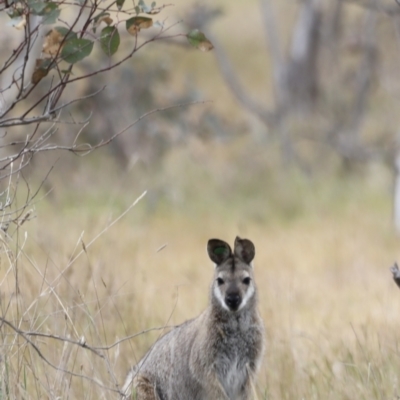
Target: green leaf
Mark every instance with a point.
(50, 13)
(109, 40)
(142, 7)
(76, 50)
(135, 24)
(37, 6)
(120, 4)
(55, 38)
(102, 17)
(63, 31)
(14, 12)
(197, 39)
(153, 10)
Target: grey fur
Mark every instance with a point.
(216, 355)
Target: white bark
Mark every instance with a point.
(9, 91)
(275, 49)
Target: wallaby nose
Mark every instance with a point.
(233, 300)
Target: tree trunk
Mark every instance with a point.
(302, 68)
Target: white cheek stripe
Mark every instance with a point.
(247, 296)
(218, 295)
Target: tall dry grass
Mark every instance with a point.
(324, 248)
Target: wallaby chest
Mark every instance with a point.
(237, 346)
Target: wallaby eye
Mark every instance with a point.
(246, 281)
(220, 281)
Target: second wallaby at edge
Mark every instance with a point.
(216, 355)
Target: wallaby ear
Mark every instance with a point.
(218, 251)
(244, 250)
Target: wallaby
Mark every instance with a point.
(216, 355)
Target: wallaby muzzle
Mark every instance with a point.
(233, 298)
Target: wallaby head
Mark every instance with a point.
(233, 288)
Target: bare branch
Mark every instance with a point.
(47, 361)
(47, 117)
(82, 342)
(237, 89)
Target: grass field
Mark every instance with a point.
(323, 252)
(84, 280)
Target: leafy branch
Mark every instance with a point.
(48, 59)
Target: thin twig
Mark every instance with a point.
(100, 234)
(40, 354)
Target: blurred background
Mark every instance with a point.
(294, 144)
(295, 96)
